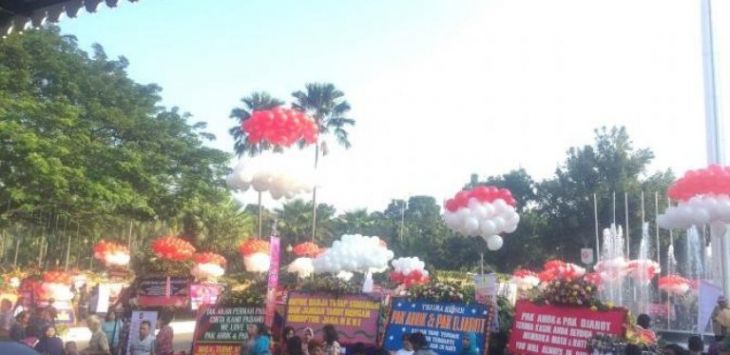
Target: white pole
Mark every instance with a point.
(714, 126)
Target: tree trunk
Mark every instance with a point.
(17, 247)
(314, 194)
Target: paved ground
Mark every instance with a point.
(182, 341)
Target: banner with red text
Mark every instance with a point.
(545, 329)
(354, 316)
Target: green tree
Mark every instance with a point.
(86, 153)
(254, 102)
(327, 105)
(610, 165)
(293, 222)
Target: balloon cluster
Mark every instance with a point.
(303, 265)
(255, 254)
(560, 270)
(57, 277)
(111, 254)
(525, 279)
(307, 249)
(696, 211)
(208, 266)
(409, 271)
(702, 197)
(484, 211)
(714, 180)
(674, 284)
(643, 270)
(612, 270)
(55, 285)
(280, 127)
(172, 248)
(354, 253)
(271, 176)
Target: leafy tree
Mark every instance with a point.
(82, 145)
(610, 165)
(293, 222)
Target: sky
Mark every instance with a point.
(440, 89)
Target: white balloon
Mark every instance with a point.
(471, 225)
(488, 228)
(510, 227)
(494, 242)
(499, 223)
(500, 205)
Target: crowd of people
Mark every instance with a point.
(259, 343)
(36, 328)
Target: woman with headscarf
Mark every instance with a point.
(469, 343)
(49, 343)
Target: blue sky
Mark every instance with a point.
(440, 89)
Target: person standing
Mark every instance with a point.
(98, 344)
(308, 336)
(112, 327)
(294, 346)
(331, 346)
(164, 340)
(6, 317)
(262, 342)
(717, 327)
(49, 343)
(406, 346)
(17, 331)
(144, 344)
(251, 331)
(420, 345)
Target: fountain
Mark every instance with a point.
(642, 280)
(612, 264)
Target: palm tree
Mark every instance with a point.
(255, 101)
(327, 105)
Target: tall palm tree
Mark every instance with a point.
(327, 105)
(253, 102)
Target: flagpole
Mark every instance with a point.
(714, 127)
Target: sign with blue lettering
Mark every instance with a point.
(445, 325)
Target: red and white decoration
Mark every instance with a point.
(409, 271)
(354, 253)
(484, 211)
(674, 284)
(255, 254)
(703, 198)
(303, 265)
(560, 270)
(208, 266)
(525, 279)
(280, 127)
(611, 270)
(643, 270)
(172, 248)
(56, 285)
(111, 254)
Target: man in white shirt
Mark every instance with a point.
(407, 347)
(145, 343)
